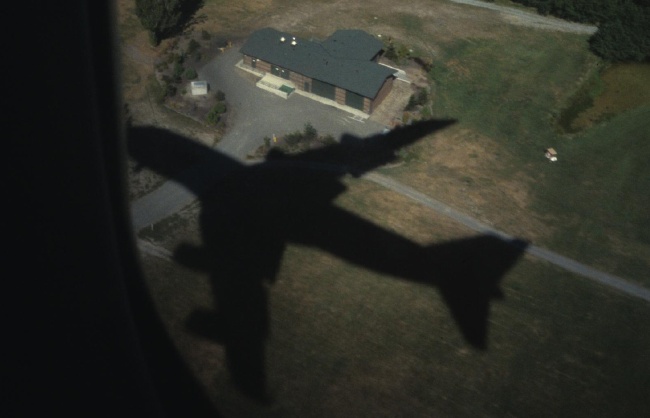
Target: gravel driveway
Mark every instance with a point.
(255, 113)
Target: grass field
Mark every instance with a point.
(346, 341)
(602, 198)
(592, 203)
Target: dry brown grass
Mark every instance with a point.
(461, 168)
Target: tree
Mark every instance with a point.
(190, 74)
(164, 18)
(310, 132)
(214, 116)
(623, 25)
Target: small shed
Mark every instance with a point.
(199, 88)
(551, 154)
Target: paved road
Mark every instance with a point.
(520, 17)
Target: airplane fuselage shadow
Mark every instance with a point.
(250, 214)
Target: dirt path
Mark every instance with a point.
(533, 20)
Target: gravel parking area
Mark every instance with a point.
(255, 113)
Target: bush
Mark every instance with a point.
(310, 132)
(426, 113)
(214, 116)
(220, 107)
(178, 72)
(162, 66)
(419, 99)
(156, 90)
(423, 97)
(177, 58)
(192, 47)
(425, 63)
(390, 53)
(170, 90)
(190, 74)
(294, 138)
(205, 35)
(329, 140)
(412, 103)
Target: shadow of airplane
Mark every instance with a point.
(250, 213)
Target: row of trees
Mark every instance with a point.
(623, 25)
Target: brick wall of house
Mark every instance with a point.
(299, 81)
(263, 66)
(383, 92)
(339, 95)
(367, 105)
(248, 60)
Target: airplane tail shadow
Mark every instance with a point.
(468, 278)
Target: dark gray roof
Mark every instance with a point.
(353, 44)
(327, 61)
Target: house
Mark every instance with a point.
(342, 68)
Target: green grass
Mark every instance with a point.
(598, 192)
(348, 342)
(510, 88)
(596, 197)
(581, 101)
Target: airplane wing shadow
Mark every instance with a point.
(250, 213)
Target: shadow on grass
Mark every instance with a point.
(250, 213)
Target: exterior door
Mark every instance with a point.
(323, 89)
(354, 100)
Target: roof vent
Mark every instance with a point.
(293, 41)
(282, 39)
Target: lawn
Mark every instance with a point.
(591, 205)
(345, 341)
(601, 195)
